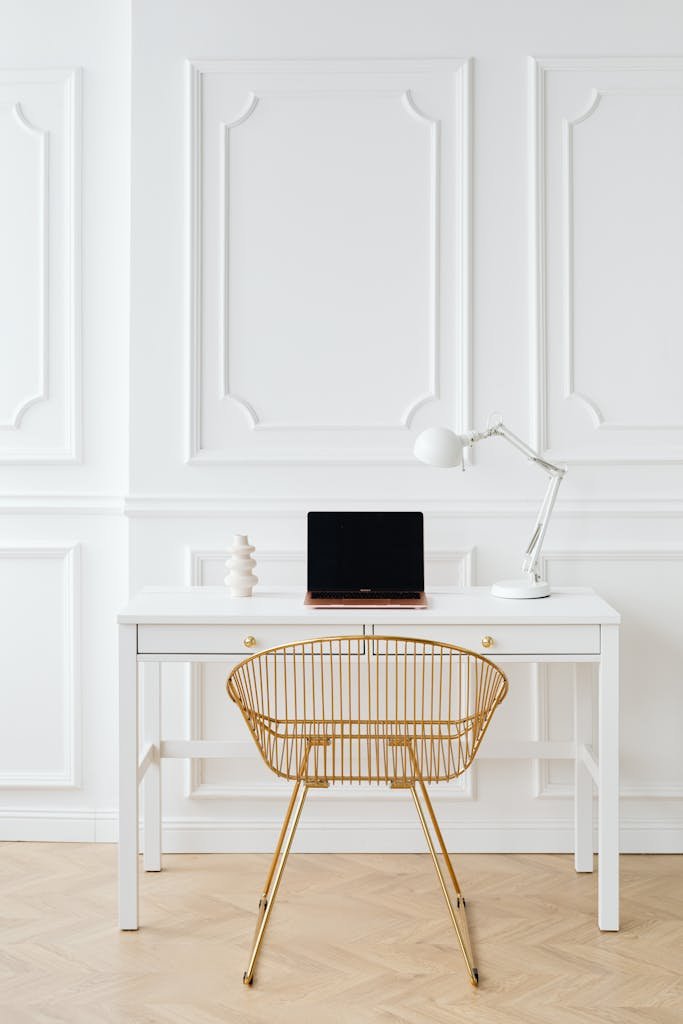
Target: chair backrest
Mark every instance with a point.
(367, 708)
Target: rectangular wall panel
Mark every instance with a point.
(40, 311)
(647, 588)
(329, 256)
(40, 726)
(607, 207)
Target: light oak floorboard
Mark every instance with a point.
(354, 939)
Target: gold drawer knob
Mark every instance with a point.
(249, 641)
(487, 641)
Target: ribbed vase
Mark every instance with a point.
(240, 578)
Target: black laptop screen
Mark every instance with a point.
(365, 551)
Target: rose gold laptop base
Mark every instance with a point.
(365, 602)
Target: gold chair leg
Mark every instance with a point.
(277, 866)
(440, 838)
(281, 837)
(457, 912)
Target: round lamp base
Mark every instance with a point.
(521, 590)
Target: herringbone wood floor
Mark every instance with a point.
(360, 939)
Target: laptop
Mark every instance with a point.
(365, 559)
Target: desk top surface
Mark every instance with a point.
(467, 605)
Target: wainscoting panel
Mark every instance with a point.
(40, 725)
(329, 255)
(645, 584)
(607, 203)
(40, 196)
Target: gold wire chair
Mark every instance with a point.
(378, 709)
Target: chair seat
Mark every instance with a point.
(367, 750)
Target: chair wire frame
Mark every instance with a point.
(376, 709)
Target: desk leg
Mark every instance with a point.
(583, 782)
(151, 785)
(128, 777)
(608, 775)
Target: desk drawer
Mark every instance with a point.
(507, 639)
(200, 639)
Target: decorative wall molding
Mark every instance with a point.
(544, 786)
(255, 421)
(62, 504)
(384, 834)
(569, 127)
(58, 825)
(647, 793)
(434, 128)
(306, 442)
(41, 203)
(197, 560)
(537, 253)
(58, 205)
(599, 420)
(259, 833)
(668, 448)
(175, 506)
(598, 62)
(227, 128)
(69, 777)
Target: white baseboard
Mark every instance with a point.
(46, 826)
(215, 835)
(638, 836)
(219, 835)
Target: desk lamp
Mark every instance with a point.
(439, 446)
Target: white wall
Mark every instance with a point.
(64, 241)
(349, 221)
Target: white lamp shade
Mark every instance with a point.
(439, 446)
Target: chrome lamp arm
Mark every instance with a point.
(441, 447)
(556, 474)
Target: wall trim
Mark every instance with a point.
(211, 835)
(196, 68)
(597, 417)
(544, 788)
(173, 506)
(70, 80)
(158, 506)
(538, 67)
(70, 776)
(40, 393)
(43, 825)
(648, 62)
(62, 504)
(258, 835)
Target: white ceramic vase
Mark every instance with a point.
(240, 579)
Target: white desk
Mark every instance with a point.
(205, 624)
